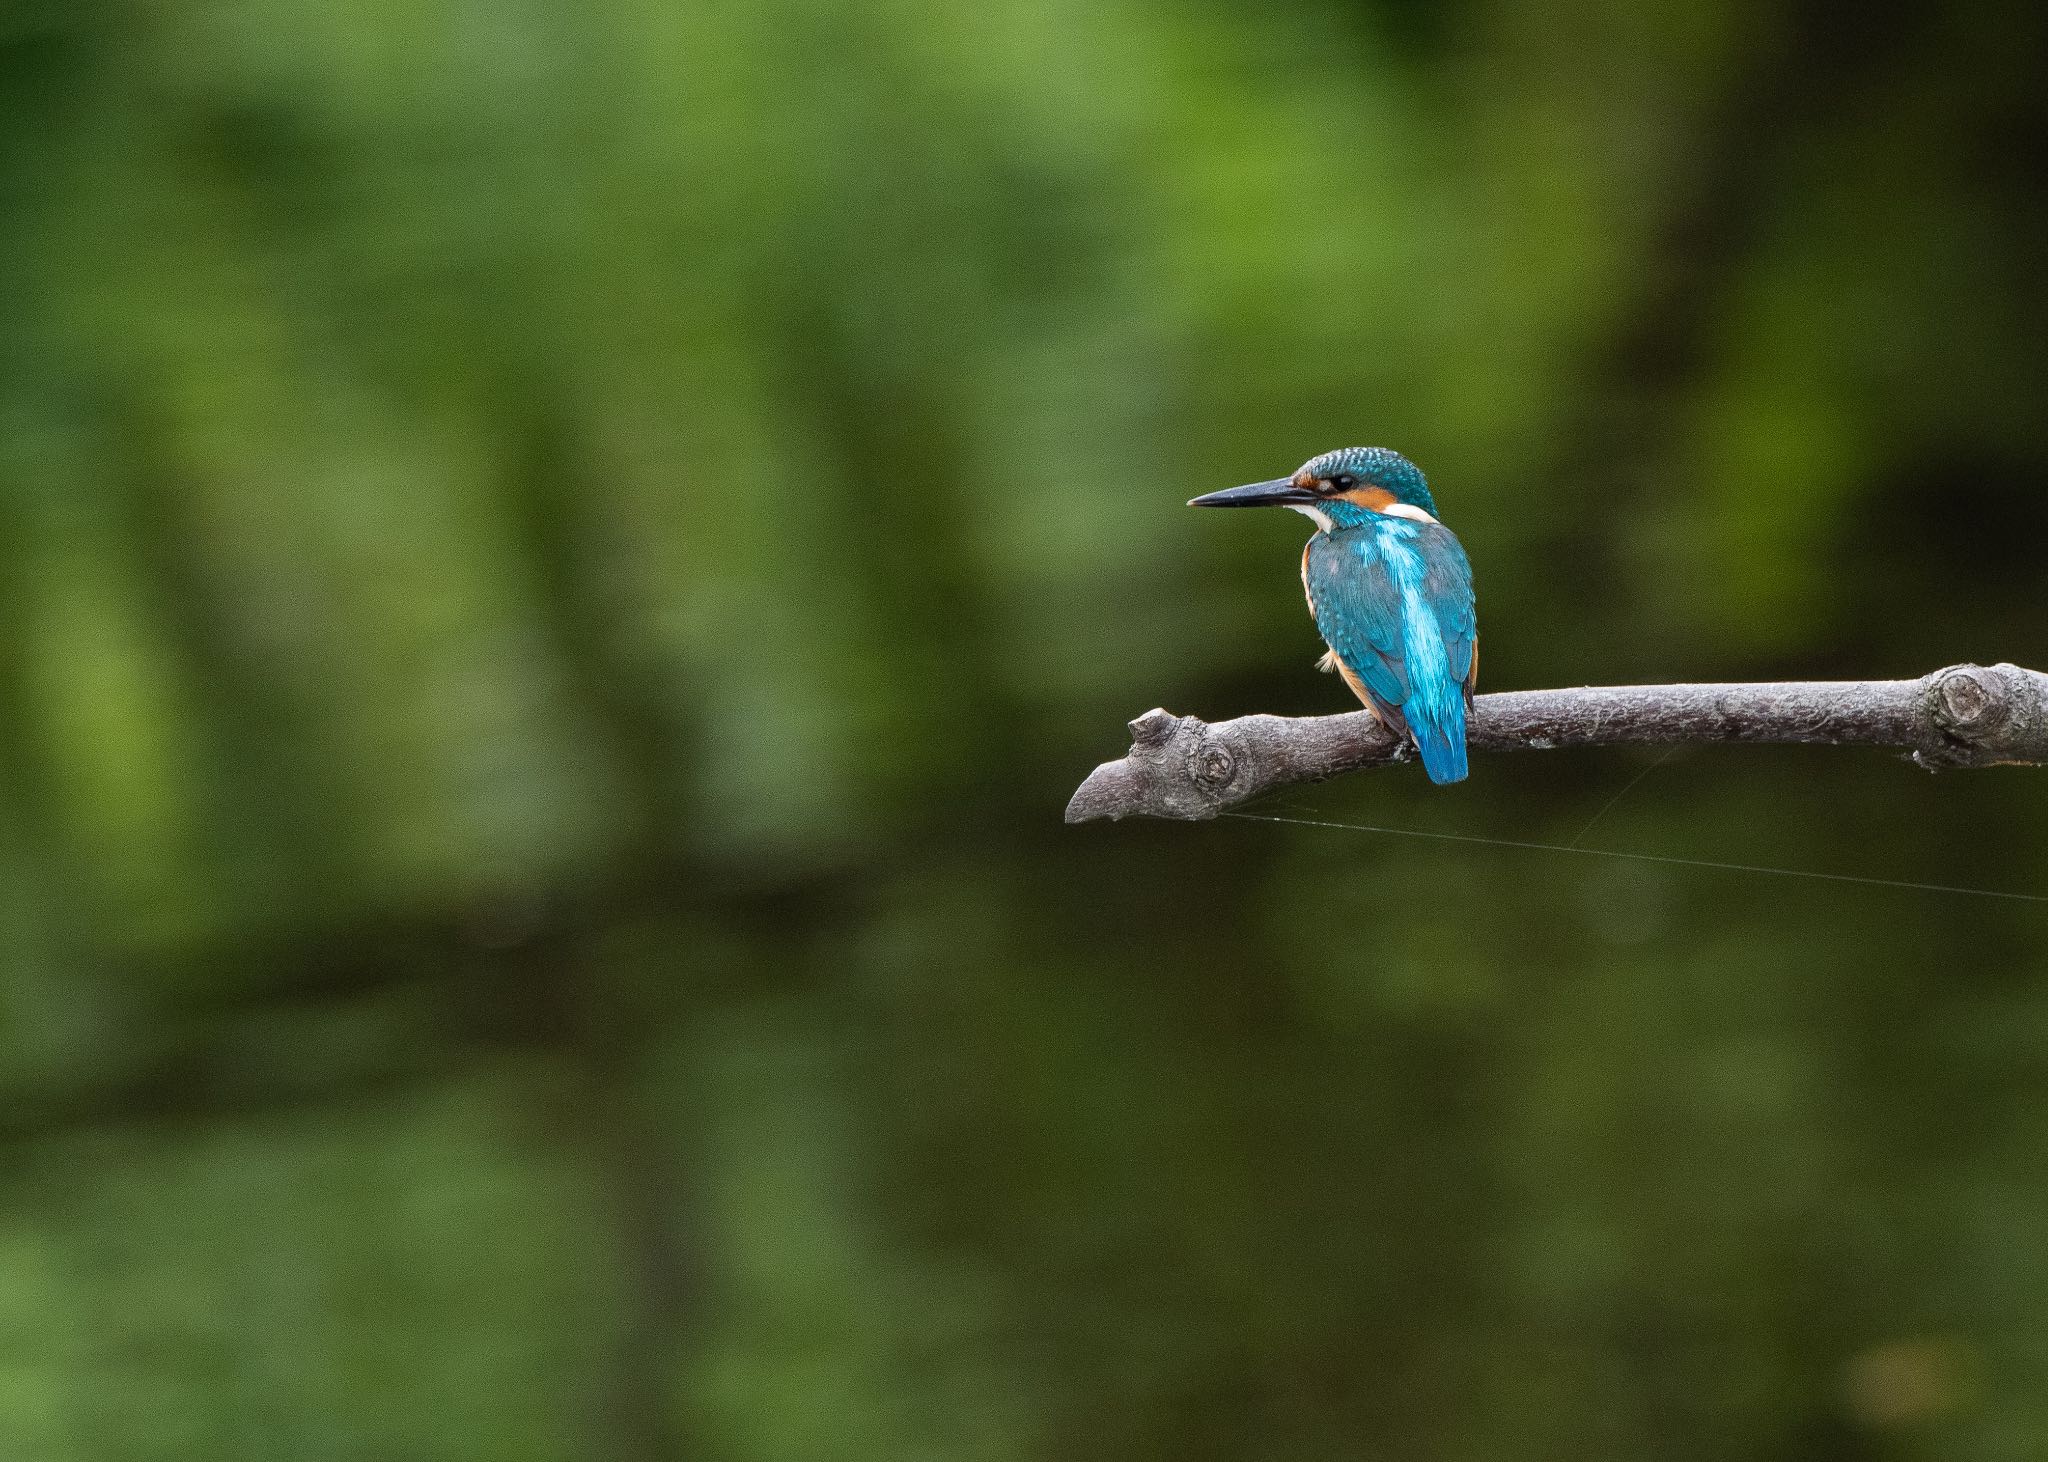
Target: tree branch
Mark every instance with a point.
(1963, 716)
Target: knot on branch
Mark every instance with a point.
(1179, 766)
(1215, 766)
(1984, 717)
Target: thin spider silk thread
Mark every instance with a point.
(1615, 801)
(1409, 832)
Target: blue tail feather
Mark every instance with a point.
(1443, 751)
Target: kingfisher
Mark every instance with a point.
(1390, 589)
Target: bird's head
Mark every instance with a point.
(1339, 489)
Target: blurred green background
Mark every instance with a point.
(558, 564)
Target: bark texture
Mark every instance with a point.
(1962, 716)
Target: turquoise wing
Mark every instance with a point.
(1394, 602)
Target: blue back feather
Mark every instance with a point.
(1393, 598)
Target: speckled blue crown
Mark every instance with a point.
(1379, 467)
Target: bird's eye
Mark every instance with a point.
(1344, 482)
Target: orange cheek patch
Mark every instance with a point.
(1378, 499)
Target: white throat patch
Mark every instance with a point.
(1322, 518)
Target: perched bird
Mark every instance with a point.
(1391, 591)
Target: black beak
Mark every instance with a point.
(1277, 493)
